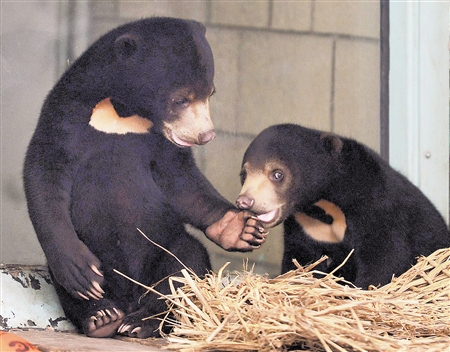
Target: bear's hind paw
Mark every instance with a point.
(104, 323)
(134, 326)
(124, 329)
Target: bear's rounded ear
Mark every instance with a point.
(126, 46)
(197, 26)
(332, 143)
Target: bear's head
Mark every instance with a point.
(162, 70)
(286, 169)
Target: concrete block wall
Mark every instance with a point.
(307, 62)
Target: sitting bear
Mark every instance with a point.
(110, 154)
(334, 195)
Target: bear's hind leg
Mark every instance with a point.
(190, 252)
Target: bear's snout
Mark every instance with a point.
(244, 202)
(206, 137)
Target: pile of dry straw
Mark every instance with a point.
(248, 312)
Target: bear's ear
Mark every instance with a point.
(332, 143)
(126, 46)
(198, 26)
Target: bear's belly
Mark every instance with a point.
(106, 202)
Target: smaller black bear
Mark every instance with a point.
(334, 195)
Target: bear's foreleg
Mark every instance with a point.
(193, 197)
(48, 189)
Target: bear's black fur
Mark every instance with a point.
(90, 184)
(389, 222)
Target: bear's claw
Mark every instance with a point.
(104, 323)
(124, 329)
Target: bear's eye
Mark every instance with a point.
(277, 175)
(243, 176)
(180, 101)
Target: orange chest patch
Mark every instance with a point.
(104, 118)
(320, 231)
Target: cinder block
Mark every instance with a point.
(101, 27)
(195, 10)
(222, 163)
(103, 9)
(292, 15)
(284, 78)
(267, 258)
(225, 44)
(358, 18)
(357, 91)
(251, 13)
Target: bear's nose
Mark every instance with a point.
(244, 202)
(205, 137)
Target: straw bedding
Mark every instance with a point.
(299, 311)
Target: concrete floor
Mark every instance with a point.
(51, 341)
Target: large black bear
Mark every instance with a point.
(334, 195)
(110, 155)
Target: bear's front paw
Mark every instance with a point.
(76, 268)
(237, 231)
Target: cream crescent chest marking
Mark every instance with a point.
(104, 118)
(320, 231)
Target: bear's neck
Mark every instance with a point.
(357, 172)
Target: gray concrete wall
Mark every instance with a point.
(307, 62)
(29, 52)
